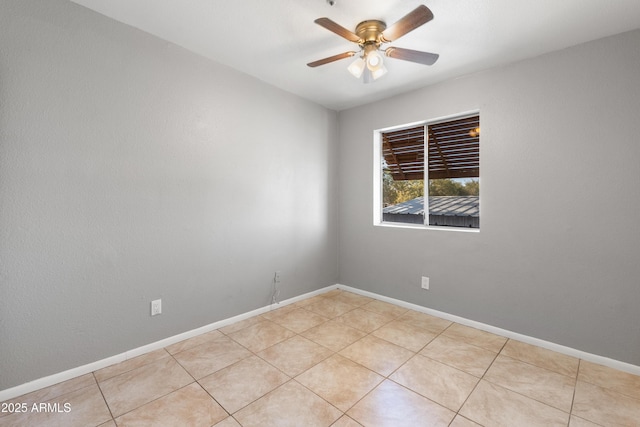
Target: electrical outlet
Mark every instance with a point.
(156, 307)
(276, 277)
(425, 282)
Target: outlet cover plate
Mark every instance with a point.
(425, 282)
(156, 307)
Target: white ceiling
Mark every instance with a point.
(274, 40)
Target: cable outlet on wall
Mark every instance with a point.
(425, 282)
(276, 287)
(156, 307)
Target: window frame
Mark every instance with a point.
(377, 176)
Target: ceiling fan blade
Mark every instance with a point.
(338, 29)
(331, 59)
(425, 58)
(419, 16)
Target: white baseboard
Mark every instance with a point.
(50, 380)
(600, 360)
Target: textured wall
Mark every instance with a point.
(131, 170)
(557, 253)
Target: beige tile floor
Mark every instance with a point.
(341, 359)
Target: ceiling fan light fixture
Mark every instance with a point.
(370, 35)
(357, 67)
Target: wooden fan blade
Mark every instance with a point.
(425, 58)
(419, 16)
(331, 59)
(338, 29)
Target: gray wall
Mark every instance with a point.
(130, 170)
(557, 253)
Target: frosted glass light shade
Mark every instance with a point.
(374, 60)
(379, 72)
(357, 68)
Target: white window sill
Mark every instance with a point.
(426, 227)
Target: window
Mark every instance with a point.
(443, 153)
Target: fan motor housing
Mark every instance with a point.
(370, 31)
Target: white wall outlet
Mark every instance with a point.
(276, 277)
(156, 307)
(425, 282)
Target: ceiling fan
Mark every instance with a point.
(370, 36)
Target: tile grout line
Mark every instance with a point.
(184, 368)
(316, 394)
(153, 400)
(607, 387)
(524, 395)
(159, 397)
(387, 377)
(290, 378)
(538, 366)
(214, 399)
(104, 398)
(132, 369)
(521, 394)
(575, 378)
(479, 381)
(334, 353)
(253, 401)
(527, 397)
(293, 378)
(573, 399)
(573, 396)
(457, 340)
